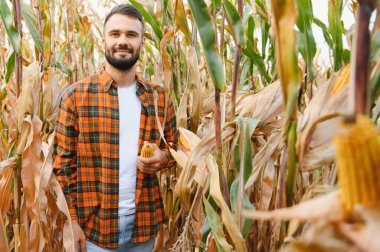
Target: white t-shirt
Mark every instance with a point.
(129, 129)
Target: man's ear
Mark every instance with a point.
(142, 43)
(103, 44)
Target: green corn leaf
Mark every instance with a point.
(152, 20)
(291, 163)
(31, 23)
(336, 30)
(256, 59)
(11, 61)
(64, 69)
(216, 227)
(234, 20)
(205, 232)
(246, 72)
(206, 32)
(325, 32)
(305, 39)
(247, 206)
(265, 37)
(305, 15)
(250, 28)
(307, 47)
(249, 124)
(14, 35)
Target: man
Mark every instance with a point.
(102, 125)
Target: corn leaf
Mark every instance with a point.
(180, 18)
(10, 66)
(6, 17)
(216, 227)
(336, 31)
(234, 20)
(207, 35)
(152, 20)
(31, 22)
(287, 64)
(256, 59)
(234, 206)
(325, 32)
(245, 147)
(64, 69)
(306, 41)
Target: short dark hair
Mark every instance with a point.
(127, 10)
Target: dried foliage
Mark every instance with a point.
(245, 151)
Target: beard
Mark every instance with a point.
(123, 63)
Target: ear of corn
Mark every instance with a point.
(358, 161)
(147, 151)
(183, 143)
(342, 79)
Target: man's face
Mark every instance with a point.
(123, 39)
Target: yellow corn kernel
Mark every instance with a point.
(147, 151)
(357, 157)
(185, 145)
(342, 79)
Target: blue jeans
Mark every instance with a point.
(125, 235)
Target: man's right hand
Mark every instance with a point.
(79, 237)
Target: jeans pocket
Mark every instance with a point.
(126, 228)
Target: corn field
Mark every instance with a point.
(276, 151)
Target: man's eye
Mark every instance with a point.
(114, 34)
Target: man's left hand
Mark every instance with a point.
(153, 164)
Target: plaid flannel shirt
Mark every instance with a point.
(86, 157)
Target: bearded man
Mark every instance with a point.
(112, 193)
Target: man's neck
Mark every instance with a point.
(121, 78)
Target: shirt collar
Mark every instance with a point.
(106, 81)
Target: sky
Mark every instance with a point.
(320, 10)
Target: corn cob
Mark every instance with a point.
(147, 151)
(185, 145)
(342, 79)
(358, 162)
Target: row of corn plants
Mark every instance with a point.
(257, 167)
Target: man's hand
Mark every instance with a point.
(153, 164)
(79, 237)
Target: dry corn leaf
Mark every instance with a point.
(204, 147)
(52, 93)
(28, 101)
(31, 178)
(67, 233)
(321, 236)
(3, 236)
(266, 106)
(265, 157)
(327, 207)
(318, 123)
(195, 87)
(167, 63)
(284, 15)
(364, 233)
(181, 113)
(6, 180)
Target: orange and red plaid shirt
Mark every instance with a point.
(86, 157)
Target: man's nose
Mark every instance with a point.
(123, 39)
